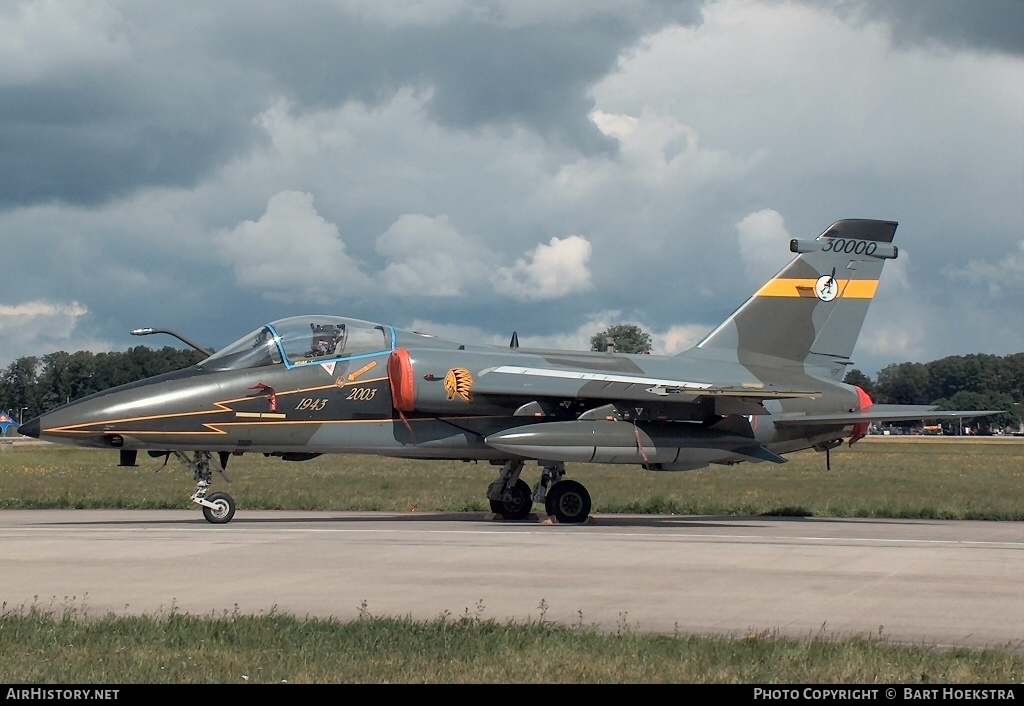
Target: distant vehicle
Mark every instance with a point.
(765, 382)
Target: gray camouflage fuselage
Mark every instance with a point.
(766, 382)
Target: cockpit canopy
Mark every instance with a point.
(301, 340)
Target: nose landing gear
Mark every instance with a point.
(218, 508)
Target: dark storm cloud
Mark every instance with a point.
(480, 72)
(83, 144)
(537, 77)
(183, 99)
(985, 25)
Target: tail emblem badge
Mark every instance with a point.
(826, 287)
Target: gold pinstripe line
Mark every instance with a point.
(216, 428)
(222, 406)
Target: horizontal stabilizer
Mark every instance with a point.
(883, 413)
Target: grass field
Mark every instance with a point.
(933, 478)
(42, 648)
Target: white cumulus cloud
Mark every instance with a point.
(999, 278)
(429, 257)
(42, 327)
(549, 272)
(291, 253)
(763, 244)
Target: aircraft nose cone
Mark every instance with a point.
(31, 428)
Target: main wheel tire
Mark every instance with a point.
(569, 502)
(224, 510)
(518, 506)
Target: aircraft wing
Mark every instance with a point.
(882, 413)
(619, 386)
(736, 399)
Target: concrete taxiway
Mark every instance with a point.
(933, 583)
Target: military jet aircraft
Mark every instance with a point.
(765, 382)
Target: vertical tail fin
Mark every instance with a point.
(813, 310)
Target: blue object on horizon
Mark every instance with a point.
(6, 421)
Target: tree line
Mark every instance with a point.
(31, 386)
(974, 381)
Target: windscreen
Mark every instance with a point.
(301, 340)
(254, 350)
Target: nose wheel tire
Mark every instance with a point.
(223, 510)
(568, 501)
(517, 506)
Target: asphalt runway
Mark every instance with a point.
(933, 583)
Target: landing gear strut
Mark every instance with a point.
(218, 508)
(509, 495)
(565, 500)
(551, 474)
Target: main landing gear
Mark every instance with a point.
(218, 508)
(566, 500)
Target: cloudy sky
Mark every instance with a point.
(474, 168)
